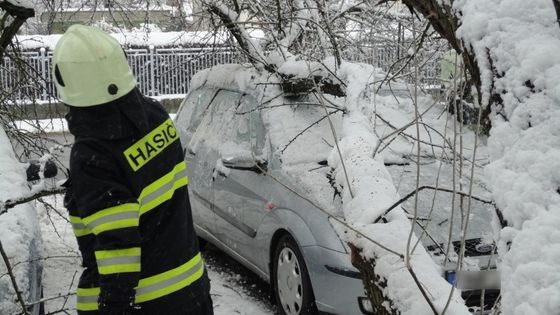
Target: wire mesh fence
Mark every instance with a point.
(26, 76)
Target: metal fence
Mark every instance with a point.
(159, 71)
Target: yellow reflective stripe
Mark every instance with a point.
(108, 270)
(170, 281)
(121, 216)
(87, 299)
(118, 260)
(170, 273)
(104, 254)
(80, 229)
(151, 145)
(163, 180)
(155, 286)
(163, 188)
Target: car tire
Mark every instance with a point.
(293, 292)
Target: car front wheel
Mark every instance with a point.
(293, 291)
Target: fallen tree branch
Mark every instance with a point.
(374, 284)
(8, 204)
(50, 298)
(308, 85)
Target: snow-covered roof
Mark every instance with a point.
(133, 39)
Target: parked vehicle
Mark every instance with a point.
(257, 169)
(20, 234)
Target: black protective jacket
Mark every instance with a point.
(129, 207)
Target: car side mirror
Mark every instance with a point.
(245, 163)
(33, 171)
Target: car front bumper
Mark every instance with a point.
(336, 283)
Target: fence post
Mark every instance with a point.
(153, 91)
(43, 62)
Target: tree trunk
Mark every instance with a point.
(20, 15)
(373, 283)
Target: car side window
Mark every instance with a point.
(249, 107)
(221, 128)
(193, 108)
(233, 127)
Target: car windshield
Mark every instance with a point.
(300, 129)
(434, 207)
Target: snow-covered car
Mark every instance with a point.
(262, 190)
(20, 236)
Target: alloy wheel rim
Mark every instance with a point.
(289, 282)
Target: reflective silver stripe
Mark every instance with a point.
(87, 299)
(163, 189)
(118, 261)
(113, 217)
(171, 281)
(78, 226)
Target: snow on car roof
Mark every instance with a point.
(228, 76)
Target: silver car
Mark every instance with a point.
(247, 204)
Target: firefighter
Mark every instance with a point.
(127, 191)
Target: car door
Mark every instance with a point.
(212, 140)
(191, 123)
(239, 185)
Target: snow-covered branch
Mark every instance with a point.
(8, 204)
(229, 18)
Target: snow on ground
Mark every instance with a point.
(231, 292)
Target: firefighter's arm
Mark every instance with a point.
(111, 212)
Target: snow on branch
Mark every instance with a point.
(295, 26)
(517, 42)
(230, 20)
(8, 204)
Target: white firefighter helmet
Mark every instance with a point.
(90, 67)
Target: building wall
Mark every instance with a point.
(60, 21)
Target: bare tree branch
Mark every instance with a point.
(12, 203)
(20, 15)
(13, 279)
